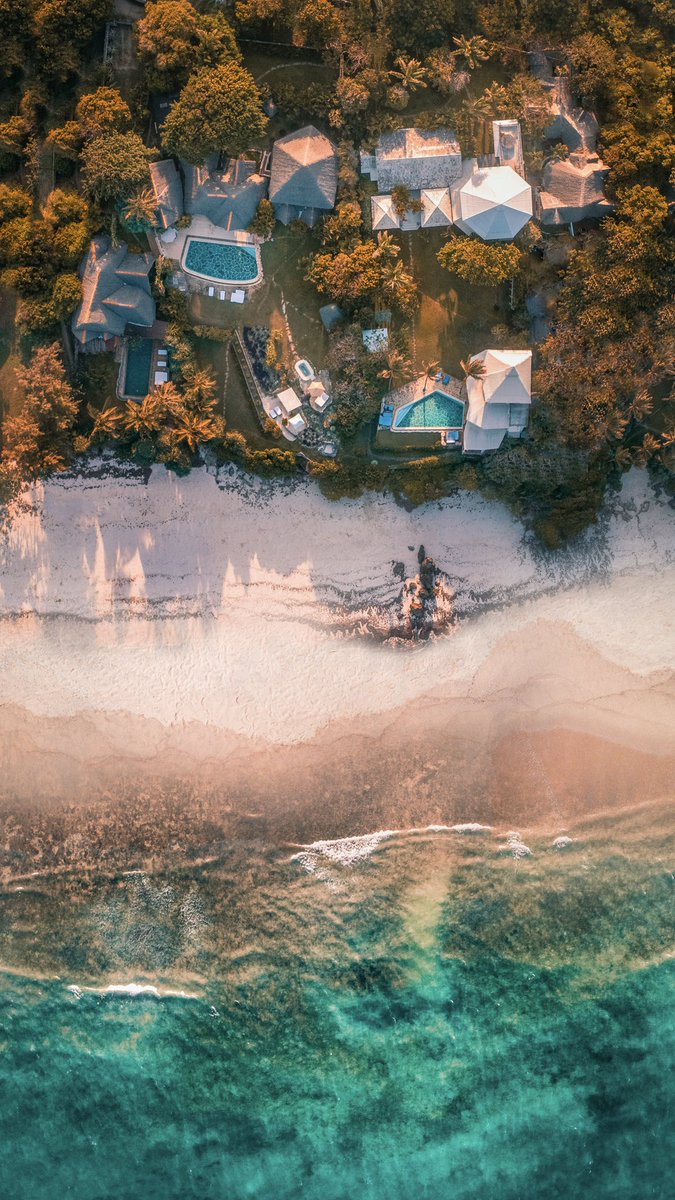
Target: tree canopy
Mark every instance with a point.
(480, 262)
(174, 39)
(115, 165)
(219, 111)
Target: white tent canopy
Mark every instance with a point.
(493, 202)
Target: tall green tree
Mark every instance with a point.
(115, 165)
(102, 112)
(174, 39)
(477, 262)
(219, 112)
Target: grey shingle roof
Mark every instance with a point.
(573, 190)
(115, 292)
(168, 189)
(229, 197)
(417, 159)
(304, 170)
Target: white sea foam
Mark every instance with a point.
(347, 851)
(133, 991)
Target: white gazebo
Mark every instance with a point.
(318, 396)
(499, 399)
(494, 203)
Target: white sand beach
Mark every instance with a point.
(187, 621)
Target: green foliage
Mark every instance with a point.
(102, 112)
(63, 29)
(219, 111)
(14, 202)
(174, 40)
(39, 440)
(342, 229)
(66, 295)
(264, 220)
(114, 166)
(477, 262)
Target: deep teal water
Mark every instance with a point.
(438, 1021)
(137, 374)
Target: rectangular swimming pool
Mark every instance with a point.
(137, 371)
(434, 411)
(224, 262)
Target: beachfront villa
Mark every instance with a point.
(474, 416)
(424, 162)
(494, 203)
(304, 176)
(115, 293)
(499, 399)
(414, 158)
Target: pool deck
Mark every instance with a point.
(202, 229)
(395, 402)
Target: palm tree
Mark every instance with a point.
(387, 248)
(194, 429)
(431, 368)
(153, 412)
(474, 50)
(394, 275)
(398, 368)
(201, 394)
(641, 406)
(141, 209)
(473, 368)
(108, 425)
(411, 73)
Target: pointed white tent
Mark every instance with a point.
(495, 203)
(499, 399)
(436, 208)
(383, 213)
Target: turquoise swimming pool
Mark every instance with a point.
(137, 371)
(223, 261)
(434, 411)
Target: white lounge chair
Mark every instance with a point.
(222, 295)
(212, 291)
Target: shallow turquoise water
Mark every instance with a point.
(438, 1021)
(220, 260)
(433, 411)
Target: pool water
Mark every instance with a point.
(222, 261)
(137, 373)
(434, 411)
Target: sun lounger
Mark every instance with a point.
(212, 291)
(222, 295)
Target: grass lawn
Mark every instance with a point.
(455, 318)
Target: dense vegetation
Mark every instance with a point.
(74, 154)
